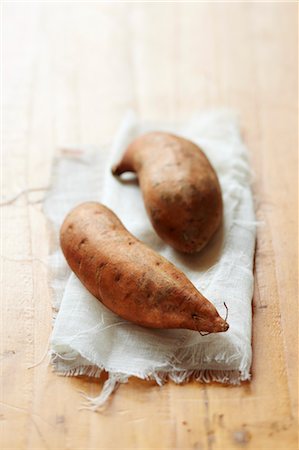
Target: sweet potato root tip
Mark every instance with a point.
(115, 170)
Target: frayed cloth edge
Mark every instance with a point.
(98, 403)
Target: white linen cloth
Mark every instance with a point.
(87, 337)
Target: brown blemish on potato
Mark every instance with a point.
(82, 242)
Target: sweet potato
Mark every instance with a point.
(128, 277)
(180, 188)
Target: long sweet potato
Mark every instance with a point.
(128, 277)
(180, 188)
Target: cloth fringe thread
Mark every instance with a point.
(97, 403)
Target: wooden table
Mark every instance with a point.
(70, 71)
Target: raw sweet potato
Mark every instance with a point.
(128, 277)
(180, 188)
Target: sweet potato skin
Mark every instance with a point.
(180, 188)
(128, 277)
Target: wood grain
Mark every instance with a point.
(70, 71)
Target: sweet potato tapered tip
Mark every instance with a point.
(221, 325)
(114, 170)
